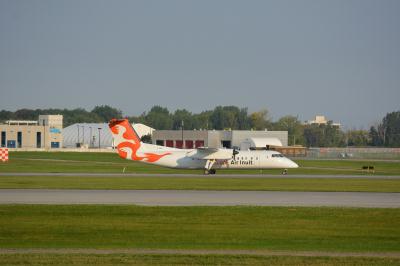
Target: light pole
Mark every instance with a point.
(182, 133)
(44, 133)
(77, 141)
(83, 133)
(90, 137)
(99, 135)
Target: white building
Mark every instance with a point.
(321, 120)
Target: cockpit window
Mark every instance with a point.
(277, 155)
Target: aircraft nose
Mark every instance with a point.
(292, 164)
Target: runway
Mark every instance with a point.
(200, 198)
(133, 175)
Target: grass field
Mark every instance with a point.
(41, 162)
(369, 231)
(126, 259)
(77, 162)
(272, 228)
(199, 183)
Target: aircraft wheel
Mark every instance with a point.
(212, 171)
(206, 171)
(284, 172)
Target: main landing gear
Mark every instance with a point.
(208, 166)
(209, 172)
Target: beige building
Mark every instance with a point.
(321, 120)
(44, 133)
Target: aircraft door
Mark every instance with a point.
(264, 160)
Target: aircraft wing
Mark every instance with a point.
(211, 154)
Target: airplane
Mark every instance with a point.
(130, 147)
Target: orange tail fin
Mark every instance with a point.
(128, 142)
(125, 138)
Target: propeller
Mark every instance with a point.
(235, 152)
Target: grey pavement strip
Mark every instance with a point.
(200, 198)
(204, 176)
(199, 252)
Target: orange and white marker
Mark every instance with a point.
(4, 154)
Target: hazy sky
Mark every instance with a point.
(338, 58)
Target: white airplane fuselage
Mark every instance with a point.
(250, 159)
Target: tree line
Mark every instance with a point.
(386, 133)
(99, 114)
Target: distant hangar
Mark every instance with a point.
(189, 139)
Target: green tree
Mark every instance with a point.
(136, 119)
(391, 129)
(6, 115)
(358, 138)
(333, 136)
(323, 136)
(27, 114)
(225, 117)
(106, 113)
(374, 137)
(158, 118)
(294, 127)
(79, 115)
(202, 120)
(243, 119)
(182, 115)
(313, 135)
(260, 120)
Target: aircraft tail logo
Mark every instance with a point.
(128, 142)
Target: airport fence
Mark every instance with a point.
(356, 153)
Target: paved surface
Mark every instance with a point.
(202, 175)
(199, 198)
(199, 252)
